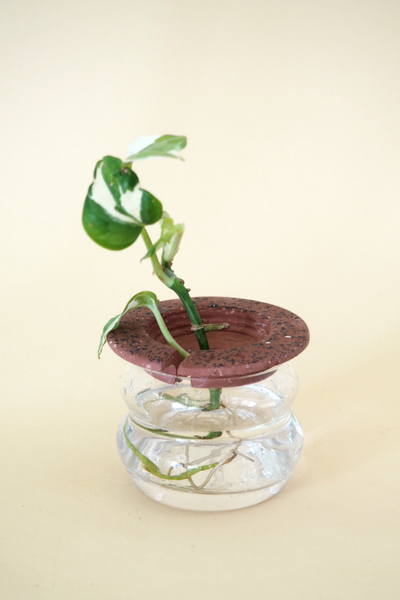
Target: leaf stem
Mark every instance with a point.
(191, 310)
(167, 335)
(168, 277)
(157, 268)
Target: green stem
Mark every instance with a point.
(168, 278)
(215, 394)
(157, 268)
(191, 310)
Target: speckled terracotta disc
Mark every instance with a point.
(260, 337)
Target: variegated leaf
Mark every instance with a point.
(151, 146)
(116, 208)
(149, 300)
(141, 299)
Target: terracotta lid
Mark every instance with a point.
(260, 337)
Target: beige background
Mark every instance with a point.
(290, 195)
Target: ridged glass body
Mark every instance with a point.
(181, 454)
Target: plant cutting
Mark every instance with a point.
(207, 382)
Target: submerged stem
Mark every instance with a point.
(215, 395)
(152, 468)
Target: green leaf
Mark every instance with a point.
(150, 146)
(141, 299)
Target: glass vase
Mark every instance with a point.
(184, 455)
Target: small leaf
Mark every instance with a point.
(171, 248)
(152, 146)
(141, 299)
(169, 231)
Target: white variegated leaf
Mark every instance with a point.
(131, 202)
(101, 194)
(116, 189)
(149, 300)
(153, 146)
(140, 299)
(139, 144)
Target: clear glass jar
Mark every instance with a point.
(183, 455)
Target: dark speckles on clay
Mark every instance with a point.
(260, 337)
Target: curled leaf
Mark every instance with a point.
(169, 240)
(140, 299)
(171, 248)
(151, 301)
